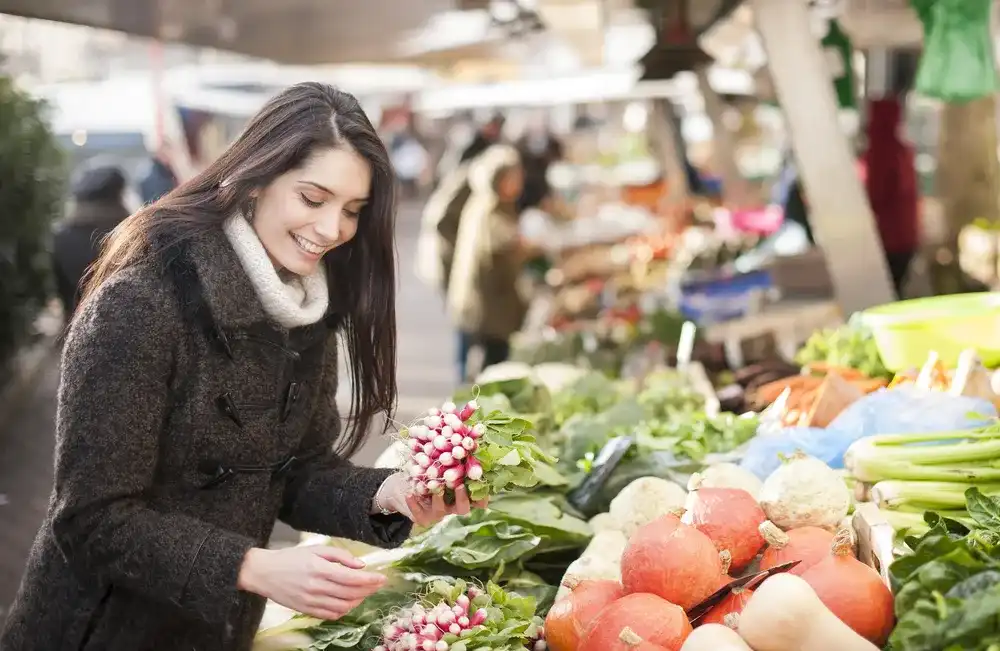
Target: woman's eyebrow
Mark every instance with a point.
(318, 186)
(329, 191)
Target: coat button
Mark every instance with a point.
(227, 406)
(291, 397)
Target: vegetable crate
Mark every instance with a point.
(874, 538)
(786, 324)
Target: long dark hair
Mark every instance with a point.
(301, 120)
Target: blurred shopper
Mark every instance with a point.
(97, 206)
(484, 297)
(443, 211)
(409, 159)
(158, 178)
(891, 182)
(439, 228)
(787, 192)
(539, 151)
(486, 136)
(198, 399)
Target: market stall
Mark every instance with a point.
(629, 511)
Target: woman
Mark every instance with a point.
(891, 184)
(98, 206)
(198, 399)
(484, 299)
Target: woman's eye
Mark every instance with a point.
(353, 214)
(309, 202)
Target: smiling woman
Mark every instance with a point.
(302, 216)
(198, 399)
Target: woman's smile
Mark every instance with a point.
(308, 246)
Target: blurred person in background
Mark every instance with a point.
(484, 296)
(443, 211)
(198, 400)
(410, 160)
(539, 150)
(96, 207)
(439, 228)
(157, 178)
(486, 136)
(890, 179)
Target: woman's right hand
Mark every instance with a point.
(318, 581)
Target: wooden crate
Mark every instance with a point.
(874, 538)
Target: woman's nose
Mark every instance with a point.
(328, 227)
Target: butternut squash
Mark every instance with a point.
(714, 637)
(784, 614)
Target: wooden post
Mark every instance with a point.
(666, 139)
(840, 216)
(735, 191)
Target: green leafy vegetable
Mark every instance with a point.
(591, 394)
(514, 530)
(948, 588)
(510, 457)
(850, 346)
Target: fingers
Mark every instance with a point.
(336, 555)
(329, 608)
(426, 511)
(417, 509)
(325, 587)
(462, 505)
(348, 576)
(438, 507)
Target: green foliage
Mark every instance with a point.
(32, 175)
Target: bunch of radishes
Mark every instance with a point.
(442, 449)
(437, 628)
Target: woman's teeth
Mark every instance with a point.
(307, 246)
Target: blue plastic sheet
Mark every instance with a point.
(897, 411)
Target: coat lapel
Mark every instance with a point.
(216, 293)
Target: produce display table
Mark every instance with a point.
(875, 538)
(785, 324)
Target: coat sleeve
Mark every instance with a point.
(330, 495)
(113, 402)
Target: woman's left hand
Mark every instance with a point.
(428, 510)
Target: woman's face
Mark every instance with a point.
(511, 184)
(308, 211)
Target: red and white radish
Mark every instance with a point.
(672, 560)
(421, 628)
(731, 517)
(652, 619)
(808, 545)
(442, 449)
(853, 591)
(569, 618)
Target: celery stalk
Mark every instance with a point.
(913, 523)
(894, 456)
(925, 495)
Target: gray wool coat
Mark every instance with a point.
(187, 423)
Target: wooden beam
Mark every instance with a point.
(839, 213)
(735, 189)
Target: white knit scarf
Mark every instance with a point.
(294, 301)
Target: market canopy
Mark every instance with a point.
(436, 33)
(290, 31)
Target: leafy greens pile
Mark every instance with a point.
(850, 346)
(948, 589)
